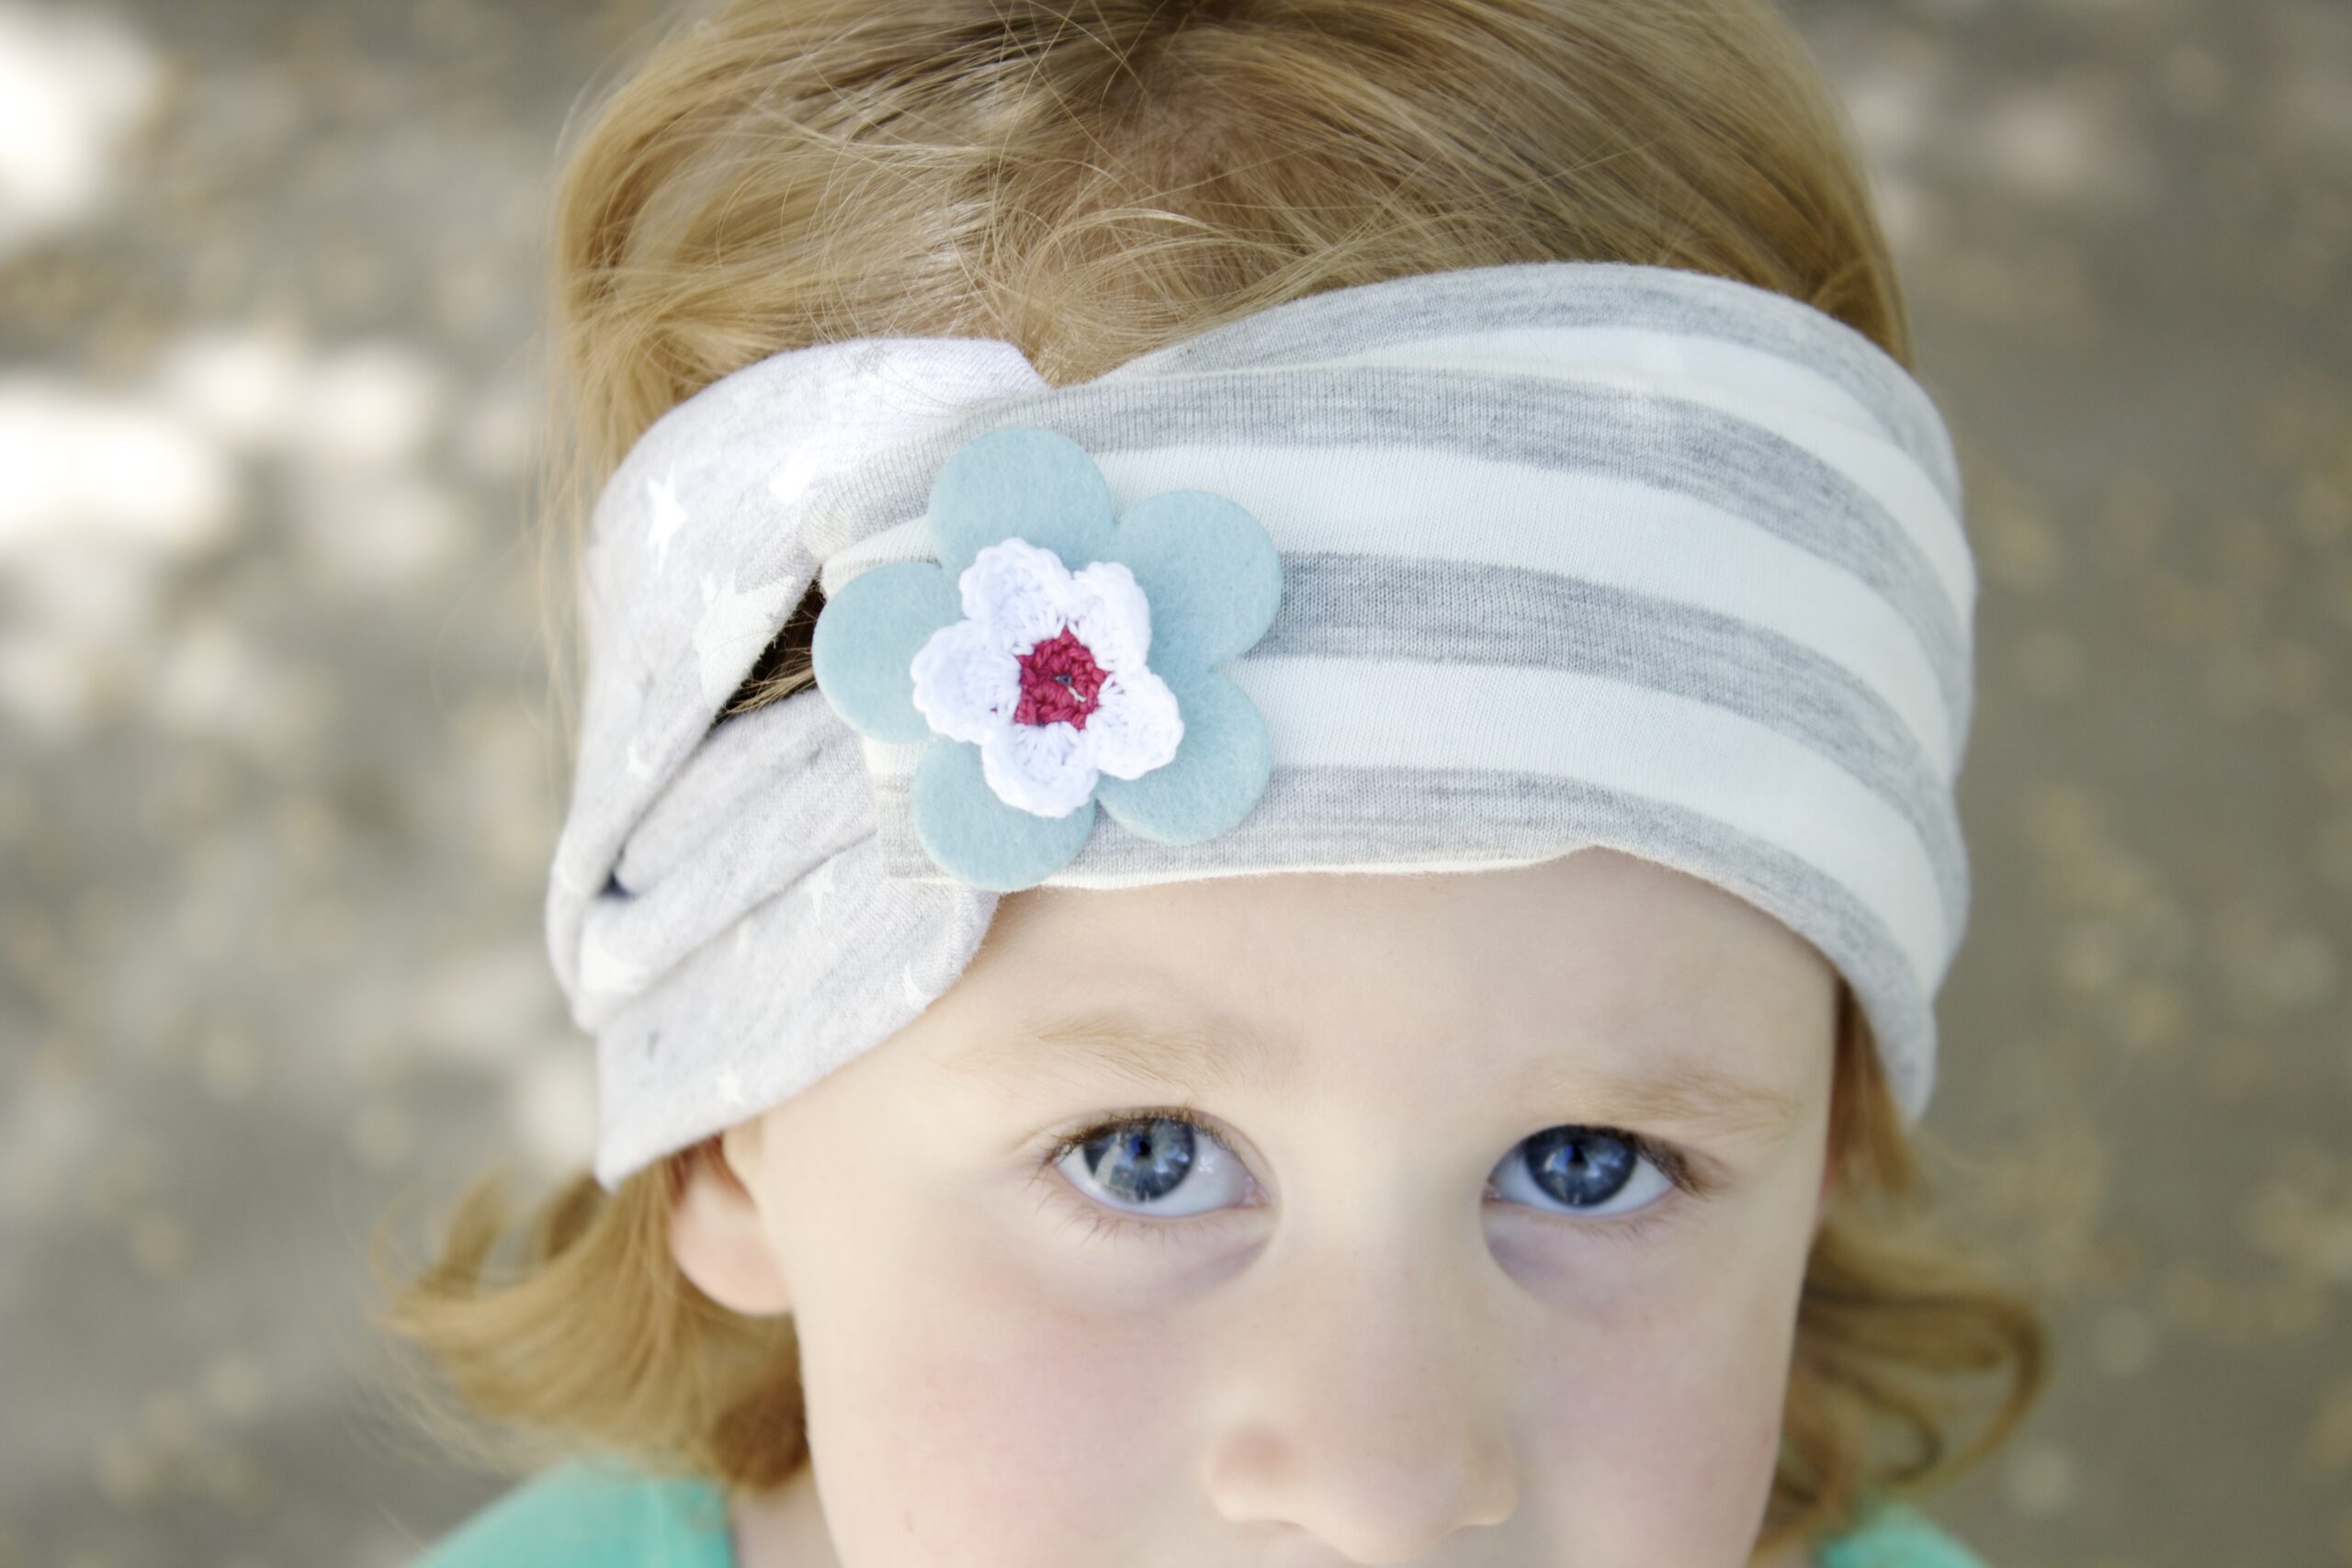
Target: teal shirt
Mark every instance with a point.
(589, 1515)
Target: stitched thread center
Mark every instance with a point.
(1059, 681)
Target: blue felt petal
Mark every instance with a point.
(978, 839)
(1037, 483)
(1210, 571)
(867, 636)
(1219, 770)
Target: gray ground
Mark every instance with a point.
(276, 797)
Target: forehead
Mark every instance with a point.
(1596, 970)
(1601, 921)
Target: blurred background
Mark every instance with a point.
(278, 782)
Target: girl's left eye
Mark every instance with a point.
(1129, 1163)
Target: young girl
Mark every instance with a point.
(1514, 1166)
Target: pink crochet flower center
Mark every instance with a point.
(1058, 680)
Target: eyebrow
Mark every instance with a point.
(1201, 1058)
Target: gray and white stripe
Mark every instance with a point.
(1573, 554)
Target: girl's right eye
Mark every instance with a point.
(1140, 1159)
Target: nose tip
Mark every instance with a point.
(1372, 1509)
(1366, 1399)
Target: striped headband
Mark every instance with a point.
(1460, 570)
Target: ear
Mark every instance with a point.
(718, 1235)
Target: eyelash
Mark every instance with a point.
(1114, 1223)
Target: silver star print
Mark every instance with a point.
(820, 883)
(601, 969)
(668, 516)
(734, 628)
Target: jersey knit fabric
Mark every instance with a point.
(591, 1515)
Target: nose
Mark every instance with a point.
(1367, 1409)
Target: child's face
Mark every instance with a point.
(1388, 1309)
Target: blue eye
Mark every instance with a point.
(1128, 1166)
(1587, 1170)
(1142, 1160)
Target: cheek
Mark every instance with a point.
(960, 1416)
(1662, 1449)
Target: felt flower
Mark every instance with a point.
(1046, 674)
(1059, 656)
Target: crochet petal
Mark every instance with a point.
(1109, 615)
(866, 638)
(1018, 591)
(1219, 770)
(1135, 726)
(978, 839)
(1021, 480)
(965, 684)
(1042, 768)
(1210, 571)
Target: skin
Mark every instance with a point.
(1369, 1336)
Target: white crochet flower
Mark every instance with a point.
(1046, 674)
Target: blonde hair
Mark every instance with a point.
(1089, 183)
